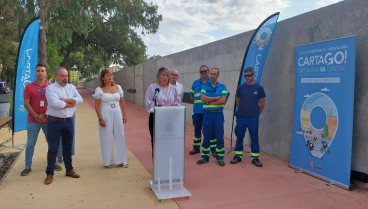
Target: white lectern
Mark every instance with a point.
(168, 153)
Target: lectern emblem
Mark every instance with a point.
(169, 127)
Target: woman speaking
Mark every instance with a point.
(167, 95)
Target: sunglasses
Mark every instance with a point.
(203, 71)
(250, 75)
(174, 74)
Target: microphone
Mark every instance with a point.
(156, 93)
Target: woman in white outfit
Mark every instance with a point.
(110, 109)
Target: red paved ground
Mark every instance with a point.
(243, 185)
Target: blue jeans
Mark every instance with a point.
(198, 124)
(213, 122)
(60, 150)
(33, 129)
(241, 127)
(59, 130)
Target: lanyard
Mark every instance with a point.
(200, 86)
(43, 92)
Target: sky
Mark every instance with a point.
(191, 23)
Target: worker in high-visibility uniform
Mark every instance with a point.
(195, 95)
(250, 99)
(214, 95)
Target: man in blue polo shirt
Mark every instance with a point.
(214, 95)
(195, 95)
(250, 100)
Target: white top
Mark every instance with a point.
(55, 106)
(99, 94)
(179, 89)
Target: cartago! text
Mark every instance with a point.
(328, 59)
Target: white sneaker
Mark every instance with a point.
(124, 165)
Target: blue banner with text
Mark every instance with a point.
(323, 110)
(25, 72)
(258, 48)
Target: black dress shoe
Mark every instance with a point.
(193, 152)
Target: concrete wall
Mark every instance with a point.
(342, 19)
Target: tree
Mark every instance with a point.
(8, 44)
(153, 57)
(25, 12)
(104, 31)
(90, 34)
(53, 59)
(42, 53)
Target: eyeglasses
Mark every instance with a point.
(203, 71)
(174, 74)
(250, 75)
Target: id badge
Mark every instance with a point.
(42, 103)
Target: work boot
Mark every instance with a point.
(235, 160)
(256, 162)
(214, 154)
(48, 179)
(201, 161)
(194, 151)
(221, 162)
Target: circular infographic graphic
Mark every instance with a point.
(319, 121)
(262, 38)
